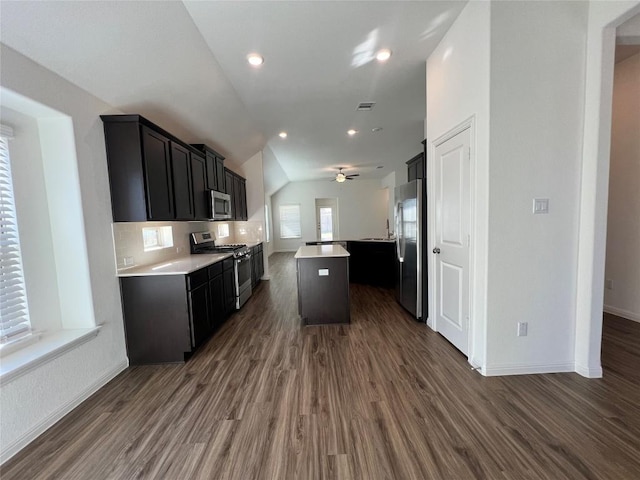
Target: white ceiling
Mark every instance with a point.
(183, 65)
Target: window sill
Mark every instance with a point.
(50, 346)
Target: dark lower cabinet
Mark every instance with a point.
(229, 282)
(167, 317)
(372, 263)
(323, 290)
(199, 310)
(257, 264)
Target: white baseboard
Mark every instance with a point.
(57, 415)
(589, 372)
(622, 313)
(498, 370)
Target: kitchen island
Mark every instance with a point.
(323, 284)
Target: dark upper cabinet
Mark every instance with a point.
(215, 168)
(237, 194)
(416, 167)
(152, 174)
(229, 182)
(156, 157)
(243, 199)
(199, 186)
(182, 183)
(220, 176)
(237, 190)
(212, 180)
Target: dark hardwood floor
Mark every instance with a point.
(382, 398)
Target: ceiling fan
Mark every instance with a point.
(341, 177)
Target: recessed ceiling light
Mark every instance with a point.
(255, 59)
(383, 55)
(282, 134)
(376, 129)
(352, 132)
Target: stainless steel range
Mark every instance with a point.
(204, 242)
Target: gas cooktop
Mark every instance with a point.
(204, 242)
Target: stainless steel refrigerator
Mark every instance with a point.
(410, 216)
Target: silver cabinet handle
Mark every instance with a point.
(436, 250)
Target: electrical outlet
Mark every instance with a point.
(608, 284)
(522, 329)
(540, 205)
(128, 261)
(178, 249)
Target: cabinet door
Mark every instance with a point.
(228, 179)
(199, 184)
(217, 306)
(237, 195)
(243, 199)
(182, 186)
(220, 175)
(260, 268)
(212, 182)
(158, 178)
(229, 291)
(199, 314)
(254, 266)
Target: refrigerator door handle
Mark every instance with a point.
(399, 231)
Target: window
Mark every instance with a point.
(14, 313)
(223, 230)
(290, 221)
(155, 238)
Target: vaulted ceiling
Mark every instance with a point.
(183, 65)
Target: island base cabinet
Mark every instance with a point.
(156, 316)
(323, 290)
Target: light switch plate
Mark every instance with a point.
(540, 205)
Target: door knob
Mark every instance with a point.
(436, 250)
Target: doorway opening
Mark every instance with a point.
(622, 264)
(327, 219)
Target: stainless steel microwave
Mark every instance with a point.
(220, 206)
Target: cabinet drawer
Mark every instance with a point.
(215, 270)
(197, 278)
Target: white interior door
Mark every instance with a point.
(451, 250)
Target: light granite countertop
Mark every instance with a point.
(319, 251)
(175, 266)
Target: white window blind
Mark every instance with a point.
(290, 221)
(14, 315)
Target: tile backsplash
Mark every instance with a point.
(129, 245)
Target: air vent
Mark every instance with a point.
(365, 106)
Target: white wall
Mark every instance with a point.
(389, 182)
(458, 89)
(537, 95)
(254, 229)
(623, 223)
(35, 400)
(362, 209)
